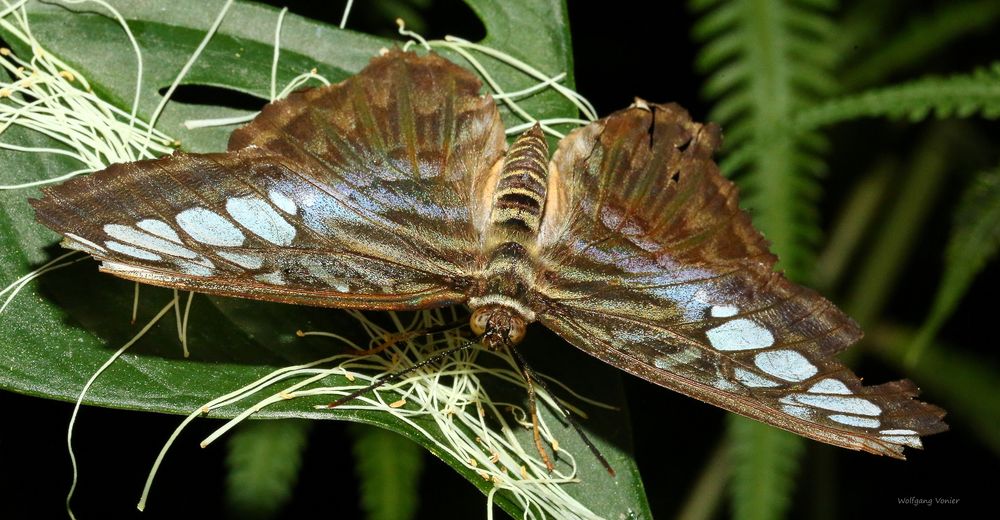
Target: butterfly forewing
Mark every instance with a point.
(649, 264)
(361, 194)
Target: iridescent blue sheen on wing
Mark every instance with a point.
(367, 193)
(647, 262)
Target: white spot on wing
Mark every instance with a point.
(322, 273)
(132, 251)
(259, 217)
(243, 260)
(84, 241)
(724, 384)
(830, 386)
(786, 364)
(861, 422)
(739, 334)
(681, 358)
(159, 228)
(797, 411)
(209, 227)
(274, 278)
(283, 202)
(898, 432)
(194, 269)
(913, 442)
(753, 380)
(145, 240)
(117, 267)
(855, 405)
(724, 311)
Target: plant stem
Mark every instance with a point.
(709, 489)
(895, 239)
(851, 225)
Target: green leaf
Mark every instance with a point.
(264, 459)
(64, 325)
(975, 238)
(388, 468)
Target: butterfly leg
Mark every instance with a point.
(533, 407)
(529, 376)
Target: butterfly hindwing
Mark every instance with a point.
(650, 265)
(360, 194)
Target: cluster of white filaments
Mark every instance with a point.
(451, 393)
(469, 50)
(47, 96)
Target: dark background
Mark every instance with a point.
(622, 49)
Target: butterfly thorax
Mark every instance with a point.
(501, 312)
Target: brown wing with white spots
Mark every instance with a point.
(361, 194)
(648, 263)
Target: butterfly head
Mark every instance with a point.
(498, 325)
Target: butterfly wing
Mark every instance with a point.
(650, 265)
(360, 194)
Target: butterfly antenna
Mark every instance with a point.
(396, 375)
(530, 377)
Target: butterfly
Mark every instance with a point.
(395, 189)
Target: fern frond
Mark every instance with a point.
(766, 60)
(924, 35)
(764, 460)
(388, 466)
(975, 239)
(961, 95)
(264, 459)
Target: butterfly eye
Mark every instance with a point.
(479, 320)
(517, 330)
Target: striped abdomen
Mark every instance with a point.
(520, 192)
